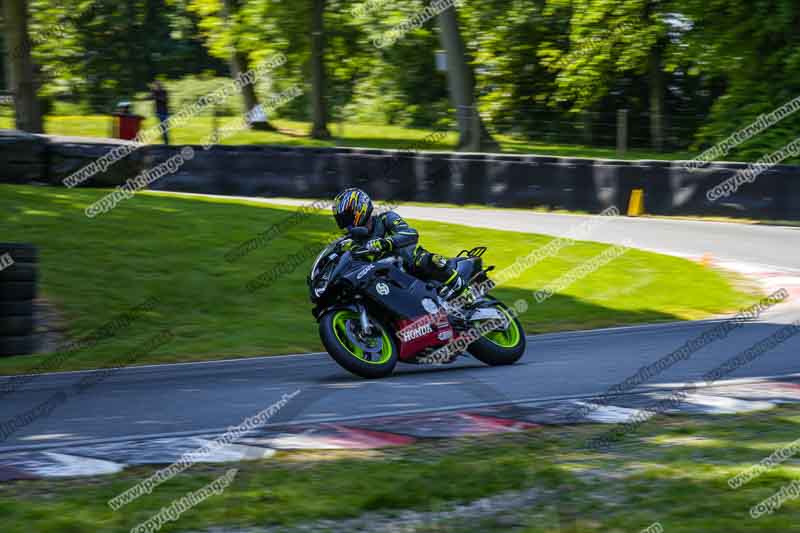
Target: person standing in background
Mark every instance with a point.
(159, 94)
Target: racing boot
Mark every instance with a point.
(452, 287)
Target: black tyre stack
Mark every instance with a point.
(17, 292)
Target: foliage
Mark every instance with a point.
(545, 69)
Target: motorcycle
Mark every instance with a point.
(373, 314)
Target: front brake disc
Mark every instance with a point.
(370, 345)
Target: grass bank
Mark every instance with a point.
(673, 471)
(173, 248)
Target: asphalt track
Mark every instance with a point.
(198, 398)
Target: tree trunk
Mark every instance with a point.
(473, 135)
(20, 66)
(239, 65)
(657, 89)
(319, 109)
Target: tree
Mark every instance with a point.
(612, 44)
(751, 52)
(319, 105)
(20, 66)
(239, 65)
(473, 135)
(224, 32)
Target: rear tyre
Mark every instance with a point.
(501, 347)
(372, 357)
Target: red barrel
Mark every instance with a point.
(127, 126)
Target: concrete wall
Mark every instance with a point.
(491, 179)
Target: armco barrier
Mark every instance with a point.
(788, 203)
(503, 180)
(471, 180)
(654, 176)
(575, 180)
(434, 178)
(758, 198)
(606, 178)
(22, 157)
(67, 157)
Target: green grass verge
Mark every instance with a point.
(674, 471)
(293, 133)
(174, 247)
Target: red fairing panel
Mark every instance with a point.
(414, 336)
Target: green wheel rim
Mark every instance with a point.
(507, 338)
(340, 320)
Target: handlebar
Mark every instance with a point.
(360, 252)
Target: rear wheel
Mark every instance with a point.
(371, 355)
(503, 346)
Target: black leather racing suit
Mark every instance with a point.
(405, 243)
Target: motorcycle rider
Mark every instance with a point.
(389, 233)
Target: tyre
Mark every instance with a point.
(17, 345)
(19, 272)
(20, 253)
(501, 347)
(14, 326)
(24, 308)
(370, 357)
(17, 290)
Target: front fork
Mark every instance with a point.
(366, 327)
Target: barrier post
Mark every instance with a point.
(636, 203)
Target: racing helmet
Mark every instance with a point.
(352, 207)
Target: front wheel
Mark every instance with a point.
(501, 346)
(372, 355)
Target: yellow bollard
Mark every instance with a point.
(636, 204)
